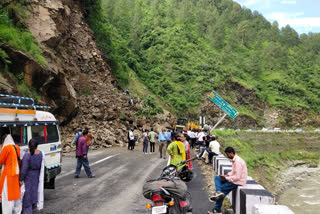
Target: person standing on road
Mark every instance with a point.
(226, 183)
(131, 139)
(162, 139)
(81, 155)
(89, 137)
(201, 136)
(183, 139)
(145, 141)
(76, 137)
(176, 150)
(168, 136)
(9, 180)
(152, 138)
(32, 176)
(192, 137)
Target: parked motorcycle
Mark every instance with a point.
(169, 193)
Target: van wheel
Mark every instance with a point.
(50, 184)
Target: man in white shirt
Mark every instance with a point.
(131, 140)
(201, 135)
(213, 149)
(214, 145)
(192, 136)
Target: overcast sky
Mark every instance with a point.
(301, 15)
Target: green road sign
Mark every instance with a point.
(223, 105)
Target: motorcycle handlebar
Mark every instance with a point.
(186, 161)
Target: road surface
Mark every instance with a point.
(117, 188)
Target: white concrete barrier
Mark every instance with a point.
(270, 209)
(226, 169)
(236, 203)
(220, 160)
(222, 163)
(215, 160)
(244, 197)
(250, 197)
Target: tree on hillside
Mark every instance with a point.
(289, 37)
(242, 29)
(181, 48)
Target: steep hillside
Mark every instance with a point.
(59, 64)
(181, 50)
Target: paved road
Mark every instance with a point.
(117, 188)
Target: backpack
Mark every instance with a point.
(135, 138)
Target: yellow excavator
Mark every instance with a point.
(192, 125)
(183, 124)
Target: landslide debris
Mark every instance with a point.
(76, 81)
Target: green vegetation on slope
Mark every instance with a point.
(15, 36)
(181, 49)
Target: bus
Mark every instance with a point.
(20, 118)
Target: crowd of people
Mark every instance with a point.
(178, 146)
(21, 180)
(206, 145)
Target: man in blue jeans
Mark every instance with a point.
(81, 155)
(225, 183)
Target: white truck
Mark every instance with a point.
(20, 118)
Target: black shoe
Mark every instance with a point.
(216, 196)
(76, 176)
(92, 176)
(214, 211)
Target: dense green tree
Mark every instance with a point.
(181, 49)
(289, 36)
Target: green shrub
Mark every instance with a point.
(4, 57)
(85, 91)
(18, 38)
(121, 116)
(150, 107)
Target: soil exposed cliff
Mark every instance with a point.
(76, 81)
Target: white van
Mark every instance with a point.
(24, 122)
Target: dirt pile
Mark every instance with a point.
(105, 111)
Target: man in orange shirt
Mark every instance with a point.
(88, 138)
(9, 179)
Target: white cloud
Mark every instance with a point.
(288, 2)
(283, 16)
(301, 24)
(247, 2)
(258, 3)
